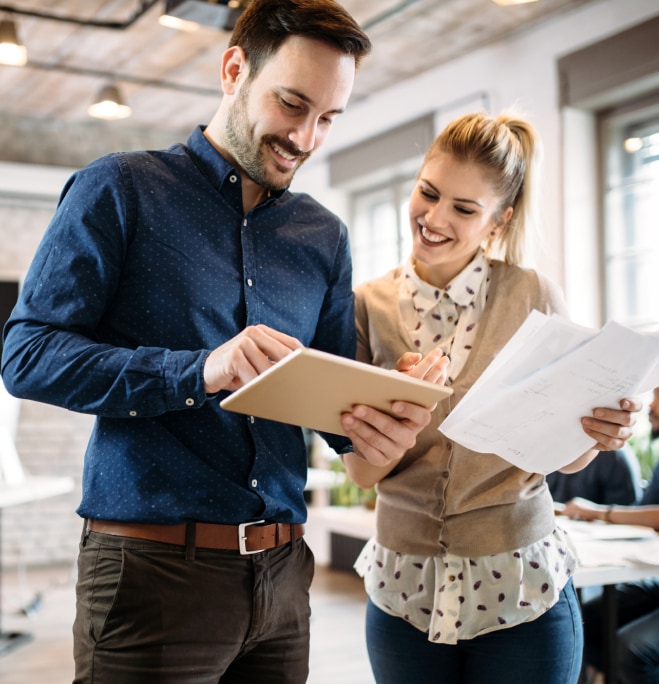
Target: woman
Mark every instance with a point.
(468, 578)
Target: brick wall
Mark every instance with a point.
(50, 440)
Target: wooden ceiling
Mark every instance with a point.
(170, 78)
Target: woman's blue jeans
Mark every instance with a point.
(547, 650)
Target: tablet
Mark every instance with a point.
(311, 388)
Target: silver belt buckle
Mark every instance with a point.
(242, 537)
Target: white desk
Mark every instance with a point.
(29, 488)
(605, 562)
(352, 521)
(321, 478)
(605, 553)
(33, 488)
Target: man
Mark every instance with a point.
(614, 477)
(165, 280)
(637, 602)
(647, 446)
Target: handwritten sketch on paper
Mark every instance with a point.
(527, 405)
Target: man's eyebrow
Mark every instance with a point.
(305, 98)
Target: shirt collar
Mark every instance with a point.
(212, 164)
(462, 290)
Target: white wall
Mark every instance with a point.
(523, 73)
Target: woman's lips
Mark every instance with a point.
(435, 238)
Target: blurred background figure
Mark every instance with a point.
(614, 477)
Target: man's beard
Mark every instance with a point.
(248, 152)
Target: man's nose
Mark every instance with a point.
(304, 136)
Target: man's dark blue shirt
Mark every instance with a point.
(147, 266)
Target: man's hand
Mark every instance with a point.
(380, 440)
(583, 509)
(245, 356)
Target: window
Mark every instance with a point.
(380, 231)
(630, 154)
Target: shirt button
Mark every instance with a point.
(451, 578)
(132, 414)
(249, 282)
(254, 482)
(244, 223)
(233, 178)
(251, 420)
(189, 402)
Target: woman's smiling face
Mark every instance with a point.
(453, 210)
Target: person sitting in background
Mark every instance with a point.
(648, 447)
(638, 602)
(614, 477)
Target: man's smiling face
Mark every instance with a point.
(279, 117)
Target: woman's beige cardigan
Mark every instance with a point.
(443, 497)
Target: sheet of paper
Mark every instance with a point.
(645, 556)
(591, 554)
(527, 406)
(581, 530)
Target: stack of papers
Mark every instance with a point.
(598, 544)
(527, 405)
(642, 556)
(580, 530)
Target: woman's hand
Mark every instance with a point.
(611, 428)
(433, 367)
(380, 440)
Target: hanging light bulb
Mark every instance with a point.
(512, 2)
(633, 145)
(12, 51)
(109, 104)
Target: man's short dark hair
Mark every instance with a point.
(265, 25)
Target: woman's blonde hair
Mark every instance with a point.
(508, 150)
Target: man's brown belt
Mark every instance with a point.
(247, 538)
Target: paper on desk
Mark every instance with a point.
(591, 554)
(645, 556)
(527, 405)
(582, 530)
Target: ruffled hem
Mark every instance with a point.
(453, 598)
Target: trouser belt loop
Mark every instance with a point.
(190, 540)
(85, 531)
(292, 531)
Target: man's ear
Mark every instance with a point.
(233, 69)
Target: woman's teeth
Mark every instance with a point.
(432, 237)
